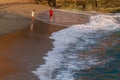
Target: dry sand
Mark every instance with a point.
(14, 1)
(17, 16)
(22, 49)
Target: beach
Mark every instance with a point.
(84, 50)
(22, 51)
(21, 47)
(17, 54)
(74, 46)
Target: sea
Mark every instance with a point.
(88, 51)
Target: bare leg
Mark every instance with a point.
(32, 18)
(50, 18)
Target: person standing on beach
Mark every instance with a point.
(51, 14)
(33, 14)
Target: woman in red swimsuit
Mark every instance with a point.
(51, 14)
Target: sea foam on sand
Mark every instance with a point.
(63, 60)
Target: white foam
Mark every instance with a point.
(62, 61)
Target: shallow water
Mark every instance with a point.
(109, 71)
(83, 52)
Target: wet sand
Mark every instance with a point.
(21, 52)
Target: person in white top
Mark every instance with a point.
(33, 14)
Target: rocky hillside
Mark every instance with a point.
(97, 5)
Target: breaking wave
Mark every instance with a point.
(73, 47)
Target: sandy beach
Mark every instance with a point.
(22, 49)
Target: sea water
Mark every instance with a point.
(84, 51)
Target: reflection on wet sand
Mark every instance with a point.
(21, 52)
(31, 26)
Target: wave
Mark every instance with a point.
(68, 54)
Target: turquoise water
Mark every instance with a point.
(110, 71)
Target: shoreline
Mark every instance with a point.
(17, 17)
(22, 50)
(64, 18)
